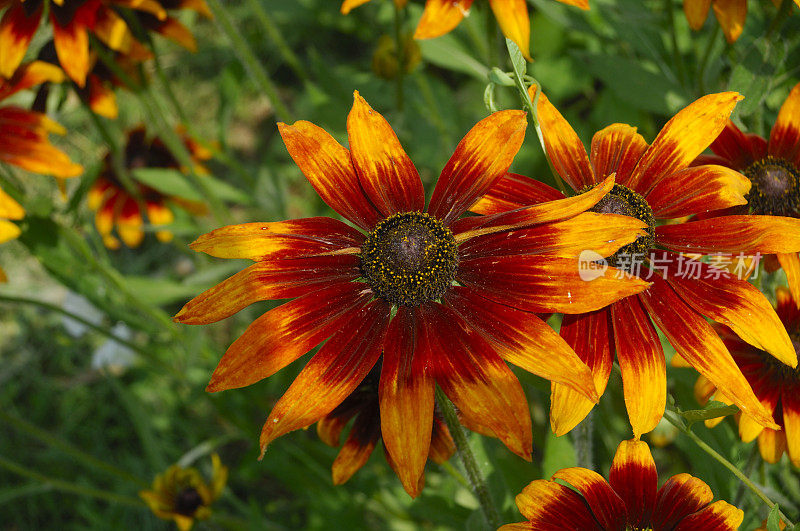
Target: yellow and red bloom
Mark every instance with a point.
(630, 499)
(776, 384)
(116, 207)
(73, 20)
(182, 495)
(363, 408)
(655, 182)
(438, 299)
(731, 15)
(773, 167)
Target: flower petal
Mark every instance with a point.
(616, 149)
(474, 377)
(601, 233)
(440, 17)
(550, 211)
(331, 375)
(550, 506)
(8, 231)
(268, 280)
(295, 238)
(72, 45)
(387, 175)
(357, 448)
(680, 496)
(9, 208)
(442, 445)
(544, 284)
(606, 505)
(523, 339)
(641, 359)
(696, 190)
(349, 5)
(634, 478)
(719, 516)
(329, 169)
(564, 148)
(731, 15)
(784, 140)
(514, 191)
(590, 335)
(735, 146)
(683, 138)
(790, 263)
(695, 340)
(771, 445)
(406, 398)
(480, 159)
(285, 333)
(791, 423)
(512, 17)
(733, 234)
(16, 31)
(696, 12)
(29, 75)
(735, 303)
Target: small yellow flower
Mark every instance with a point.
(181, 494)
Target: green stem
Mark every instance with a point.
(65, 486)
(474, 473)
(273, 31)
(401, 56)
(248, 59)
(676, 53)
(584, 444)
(51, 440)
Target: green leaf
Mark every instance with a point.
(517, 61)
(712, 410)
(446, 51)
(753, 74)
(172, 182)
(773, 519)
(488, 97)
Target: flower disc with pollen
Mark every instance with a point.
(623, 200)
(775, 187)
(409, 258)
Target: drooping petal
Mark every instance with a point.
(790, 399)
(512, 17)
(387, 175)
(683, 138)
(616, 149)
(641, 359)
(731, 15)
(790, 263)
(440, 17)
(735, 303)
(583, 4)
(695, 340)
(606, 505)
(719, 516)
(634, 478)
(349, 5)
(295, 238)
(17, 28)
(523, 339)
(564, 148)
(72, 46)
(475, 378)
(331, 375)
(771, 445)
(9, 208)
(173, 30)
(680, 496)
(29, 75)
(480, 159)
(327, 166)
(784, 140)
(442, 445)
(406, 398)
(698, 189)
(590, 335)
(550, 506)
(602, 233)
(8, 231)
(544, 284)
(285, 333)
(268, 280)
(357, 448)
(734, 146)
(696, 12)
(514, 191)
(733, 234)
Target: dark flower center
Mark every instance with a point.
(409, 258)
(622, 200)
(775, 187)
(187, 501)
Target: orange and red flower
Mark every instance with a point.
(777, 386)
(442, 16)
(72, 22)
(116, 207)
(630, 499)
(731, 15)
(438, 299)
(655, 182)
(363, 408)
(773, 167)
